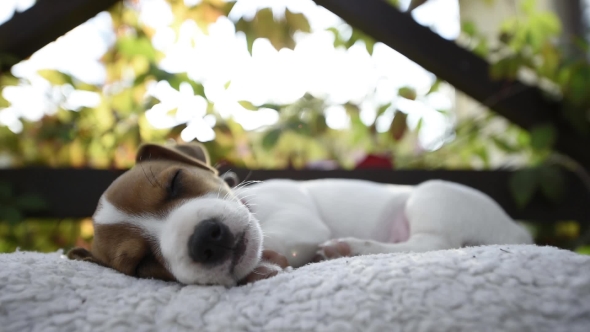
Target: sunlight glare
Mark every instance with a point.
(337, 118)
(8, 7)
(267, 76)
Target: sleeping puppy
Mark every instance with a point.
(172, 217)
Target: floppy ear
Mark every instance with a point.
(230, 178)
(128, 256)
(195, 150)
(193, 154)
(81, 254)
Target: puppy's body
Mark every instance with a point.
(172, 217)
(299, 219)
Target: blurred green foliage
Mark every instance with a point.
(108, 135)
(12, 206)
(530, 44)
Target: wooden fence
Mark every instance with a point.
(75, 192)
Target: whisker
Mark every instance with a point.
(244, 197)
(146, 176)
(155, 179)
(245, 183)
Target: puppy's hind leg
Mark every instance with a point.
(462, 215)
(420, 242)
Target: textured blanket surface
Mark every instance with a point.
(492, 288)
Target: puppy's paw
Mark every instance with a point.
(264, 270)
(274, 257)
(272, 263)
(343, 247)
(333, 249)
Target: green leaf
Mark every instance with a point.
(394, 3)
(506, 68)
(132, 46)
(8, 60)
(123, 101)
(226, 85)
(504, 146)
(435, 86)
(11, 215)
(280, 33)
(246, 27)
(482, 48)
(581, 43)
(30, 202)
(358, 35)
(523, 138)
(469, 28)
(351, 109)
(5, 191)
(248, 105)
(543, 137)
(298, 126)
(583, 250)
(577, 119)
(398, 125)
(523, 184)
(545, 24)
(319, 124)
(338, 40)
(3, 102)
(552, 181)
(528, 6)
(407, 92)
(271, 106)
(271, 138)
(568, 229)
(577, 86)
(55, 77)
(419, 125)
(382, 109)
(483, 154)
(297, 21)
(176, 80)
(369, 45)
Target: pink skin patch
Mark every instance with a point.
(399, 230)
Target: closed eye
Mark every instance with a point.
(174, 186)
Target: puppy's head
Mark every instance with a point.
(172, 217)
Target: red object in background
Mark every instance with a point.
(372, 161)
(223, 163)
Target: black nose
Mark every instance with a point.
(210, 243)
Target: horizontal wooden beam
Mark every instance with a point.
(43, 23)
(524, 105)
(75, 192)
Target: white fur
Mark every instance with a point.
(300, 219)
(108, 214)
(173, 231)
(180, 225)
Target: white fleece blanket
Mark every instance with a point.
(493, 288)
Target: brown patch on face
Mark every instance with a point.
(162, 179)
(149, 188)
(156, 187)
(123, 248)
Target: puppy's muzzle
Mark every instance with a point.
(211, 243)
